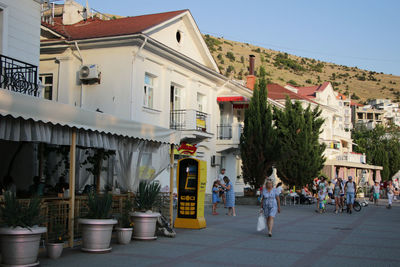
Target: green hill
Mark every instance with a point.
(282, 68)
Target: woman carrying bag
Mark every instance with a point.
(270, 204)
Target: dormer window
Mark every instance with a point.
(178, 36)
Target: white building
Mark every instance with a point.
(153, 69)
(391, 110)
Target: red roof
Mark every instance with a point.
(341, 96)
(95, 28)
(278, 92)
(310, 91)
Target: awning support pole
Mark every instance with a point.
(71, 213)
(171, 185)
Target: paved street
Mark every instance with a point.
(301, 238)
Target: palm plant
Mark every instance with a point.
(125, 219)
(147, 195)
(14, 213)
(99, 206)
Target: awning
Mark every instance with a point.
(232, 99)
(26, 107)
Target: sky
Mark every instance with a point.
(361, 33)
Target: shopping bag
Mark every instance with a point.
(261, 222)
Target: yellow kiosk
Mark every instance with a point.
(191, 184)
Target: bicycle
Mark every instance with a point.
(356, 205)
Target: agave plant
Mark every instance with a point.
(99, 206)
(147, 195)
(14, 213)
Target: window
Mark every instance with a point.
(148, 91)
(47, 81)
(201, 102)
(176, 98)
(178, 36)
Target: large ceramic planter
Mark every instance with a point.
(54, 250)
(96, 234)
(20, 246)
(124, 235)
(144, 227)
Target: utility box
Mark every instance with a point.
(191, 184)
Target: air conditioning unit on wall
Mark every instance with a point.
(89, 72)
(215, 161)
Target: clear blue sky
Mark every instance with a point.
(362, 33)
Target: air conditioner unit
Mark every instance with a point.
(89, 72)
(215, 161)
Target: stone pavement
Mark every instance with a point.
(301, 237)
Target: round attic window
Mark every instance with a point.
(178, 36)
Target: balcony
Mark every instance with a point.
(228, 136)
(352, 157)
(18, 76)
(195, 125)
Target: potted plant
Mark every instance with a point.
(20, 237)
(144, 219)
(97, 225)
(124, 232)
(55, 245)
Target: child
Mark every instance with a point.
(376, 189)
(215, 197)
(321, 200)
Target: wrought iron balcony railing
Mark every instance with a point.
(188, 119)
(18, 76)
(224, 132)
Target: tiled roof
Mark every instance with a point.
(95, 28)
(310, 91)
(278, 92)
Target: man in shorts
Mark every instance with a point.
(350, 189)
(376, 188)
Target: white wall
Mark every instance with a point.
(21, 30)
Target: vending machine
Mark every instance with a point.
(191, 184)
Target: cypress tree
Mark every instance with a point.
(298, 133)
(258, 143)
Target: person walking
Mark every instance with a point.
(351, 191)
(390, 193)
(230, 196)
(376, 188)
(337, 191)
(220, 178)
(270, 203)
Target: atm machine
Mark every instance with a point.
(191, 184)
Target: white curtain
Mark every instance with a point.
(134, 159)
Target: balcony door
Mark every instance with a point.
(177, 114)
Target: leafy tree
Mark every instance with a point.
(381, 146)
(258, 143)
(298, 133)
(230, 56)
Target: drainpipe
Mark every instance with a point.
(133, 70)
(81, 59)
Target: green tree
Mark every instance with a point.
(298, 134)
(381, 146)
(258, 143)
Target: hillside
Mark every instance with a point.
(233, 60)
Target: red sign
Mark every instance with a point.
(187, 149)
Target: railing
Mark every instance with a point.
(18, 76)
(188, 119)
(352, 157)
(224, 132)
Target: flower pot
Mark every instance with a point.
(124, 235)
(54, 250)
(20, 246)
(144, 225)
(96, 234)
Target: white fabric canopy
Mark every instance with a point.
(58, 114)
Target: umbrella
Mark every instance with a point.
(378, 176)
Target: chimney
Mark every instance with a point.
(252, 59)
(251, 79)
